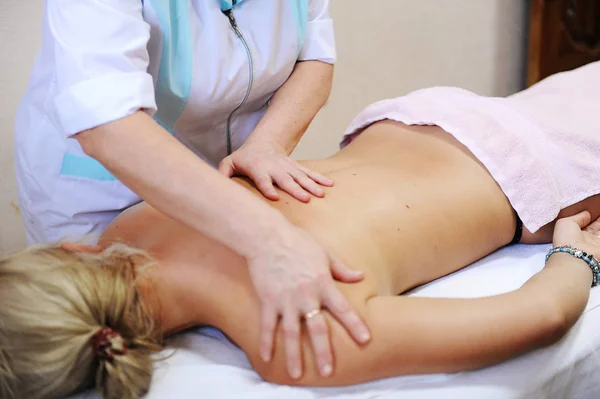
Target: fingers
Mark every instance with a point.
(340, 308)
(268, 167)
(268, 325)
(264, 183)
(226, 167)
(298, 186)
(582, 218)
(307, 183)
(287, 174)
(319, 337)
(300, 182)
(291, 339)
(317, 177)
(594, 227)
(289, 185)
(343, 273)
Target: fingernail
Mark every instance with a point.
(265, 356)
(364, 336)
(295, 373)
(326, 370)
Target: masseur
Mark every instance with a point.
(134, 99)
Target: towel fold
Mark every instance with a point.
(541, 145)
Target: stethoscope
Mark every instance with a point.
(227, 8)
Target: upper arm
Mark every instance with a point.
(319, 40)
(426, 335)
(99, 47)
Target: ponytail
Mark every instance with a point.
(70, 321)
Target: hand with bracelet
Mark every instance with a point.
(579, 237)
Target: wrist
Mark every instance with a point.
(269, 141)
(264, 235)
(575, 265)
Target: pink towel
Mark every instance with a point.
(541, 145)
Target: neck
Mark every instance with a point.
(169, 293)
(185, 286)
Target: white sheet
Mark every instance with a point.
(207, 365)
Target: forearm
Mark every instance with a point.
(565, 284)
(152, 163)
(486, 331)
(472, 333)
(461, 334)
(295, 104)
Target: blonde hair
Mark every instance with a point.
(52, 302)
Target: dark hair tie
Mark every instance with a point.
(107, 343)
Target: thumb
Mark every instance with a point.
(341, 272)
(582, 218)
(226, 167)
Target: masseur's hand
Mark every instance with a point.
(293, 278)
(578, 232)
(266, 164)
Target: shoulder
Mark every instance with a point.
(131, 225)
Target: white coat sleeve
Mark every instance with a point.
(319, 42)
(99, 48)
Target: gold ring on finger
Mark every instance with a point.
(312, 313)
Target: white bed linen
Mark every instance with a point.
(207, 365)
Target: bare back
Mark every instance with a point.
(400, 191)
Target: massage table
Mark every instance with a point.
(203, 363)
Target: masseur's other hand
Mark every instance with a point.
(266, 165)
(293, 277)
(578, 231)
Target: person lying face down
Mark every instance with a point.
(410, 204)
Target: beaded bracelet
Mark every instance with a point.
(590, 259)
